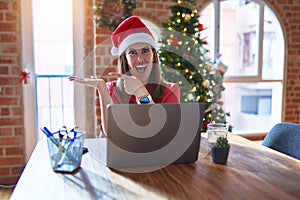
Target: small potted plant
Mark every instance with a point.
(220, 150)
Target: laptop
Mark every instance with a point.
(153, 135)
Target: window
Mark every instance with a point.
(250, 42)
(52, 35)
(53, 53)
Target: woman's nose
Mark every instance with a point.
(140, 57)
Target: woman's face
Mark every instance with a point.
(140, 59)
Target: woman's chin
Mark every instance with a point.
(143, 78)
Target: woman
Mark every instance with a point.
(139, 77)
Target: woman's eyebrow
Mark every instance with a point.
(131, 49)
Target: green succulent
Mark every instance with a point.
(221, 142)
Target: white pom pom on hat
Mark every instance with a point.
(130, 31)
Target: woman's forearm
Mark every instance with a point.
(105, 99)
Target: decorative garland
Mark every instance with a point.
(109, 13)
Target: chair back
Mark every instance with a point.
(285, 138)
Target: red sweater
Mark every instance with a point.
(171, 94)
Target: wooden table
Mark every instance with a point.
(252, 172)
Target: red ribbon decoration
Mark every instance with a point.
(25, 76)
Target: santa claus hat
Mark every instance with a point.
(130, 31)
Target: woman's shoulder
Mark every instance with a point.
(171, 93)
(171, 85)
(111, 84)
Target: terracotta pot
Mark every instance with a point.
(219, 155)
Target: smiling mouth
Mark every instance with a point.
(141, 68)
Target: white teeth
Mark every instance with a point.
(140, 66)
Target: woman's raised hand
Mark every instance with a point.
(132, 85)
(88, 81)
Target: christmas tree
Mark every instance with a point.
(184, 59)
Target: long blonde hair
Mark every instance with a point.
(156, 82)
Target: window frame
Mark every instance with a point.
(216, 49)
(254, 78)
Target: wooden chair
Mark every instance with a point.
(285, 138)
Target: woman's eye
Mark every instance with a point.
(144, 51)
(131, 52)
